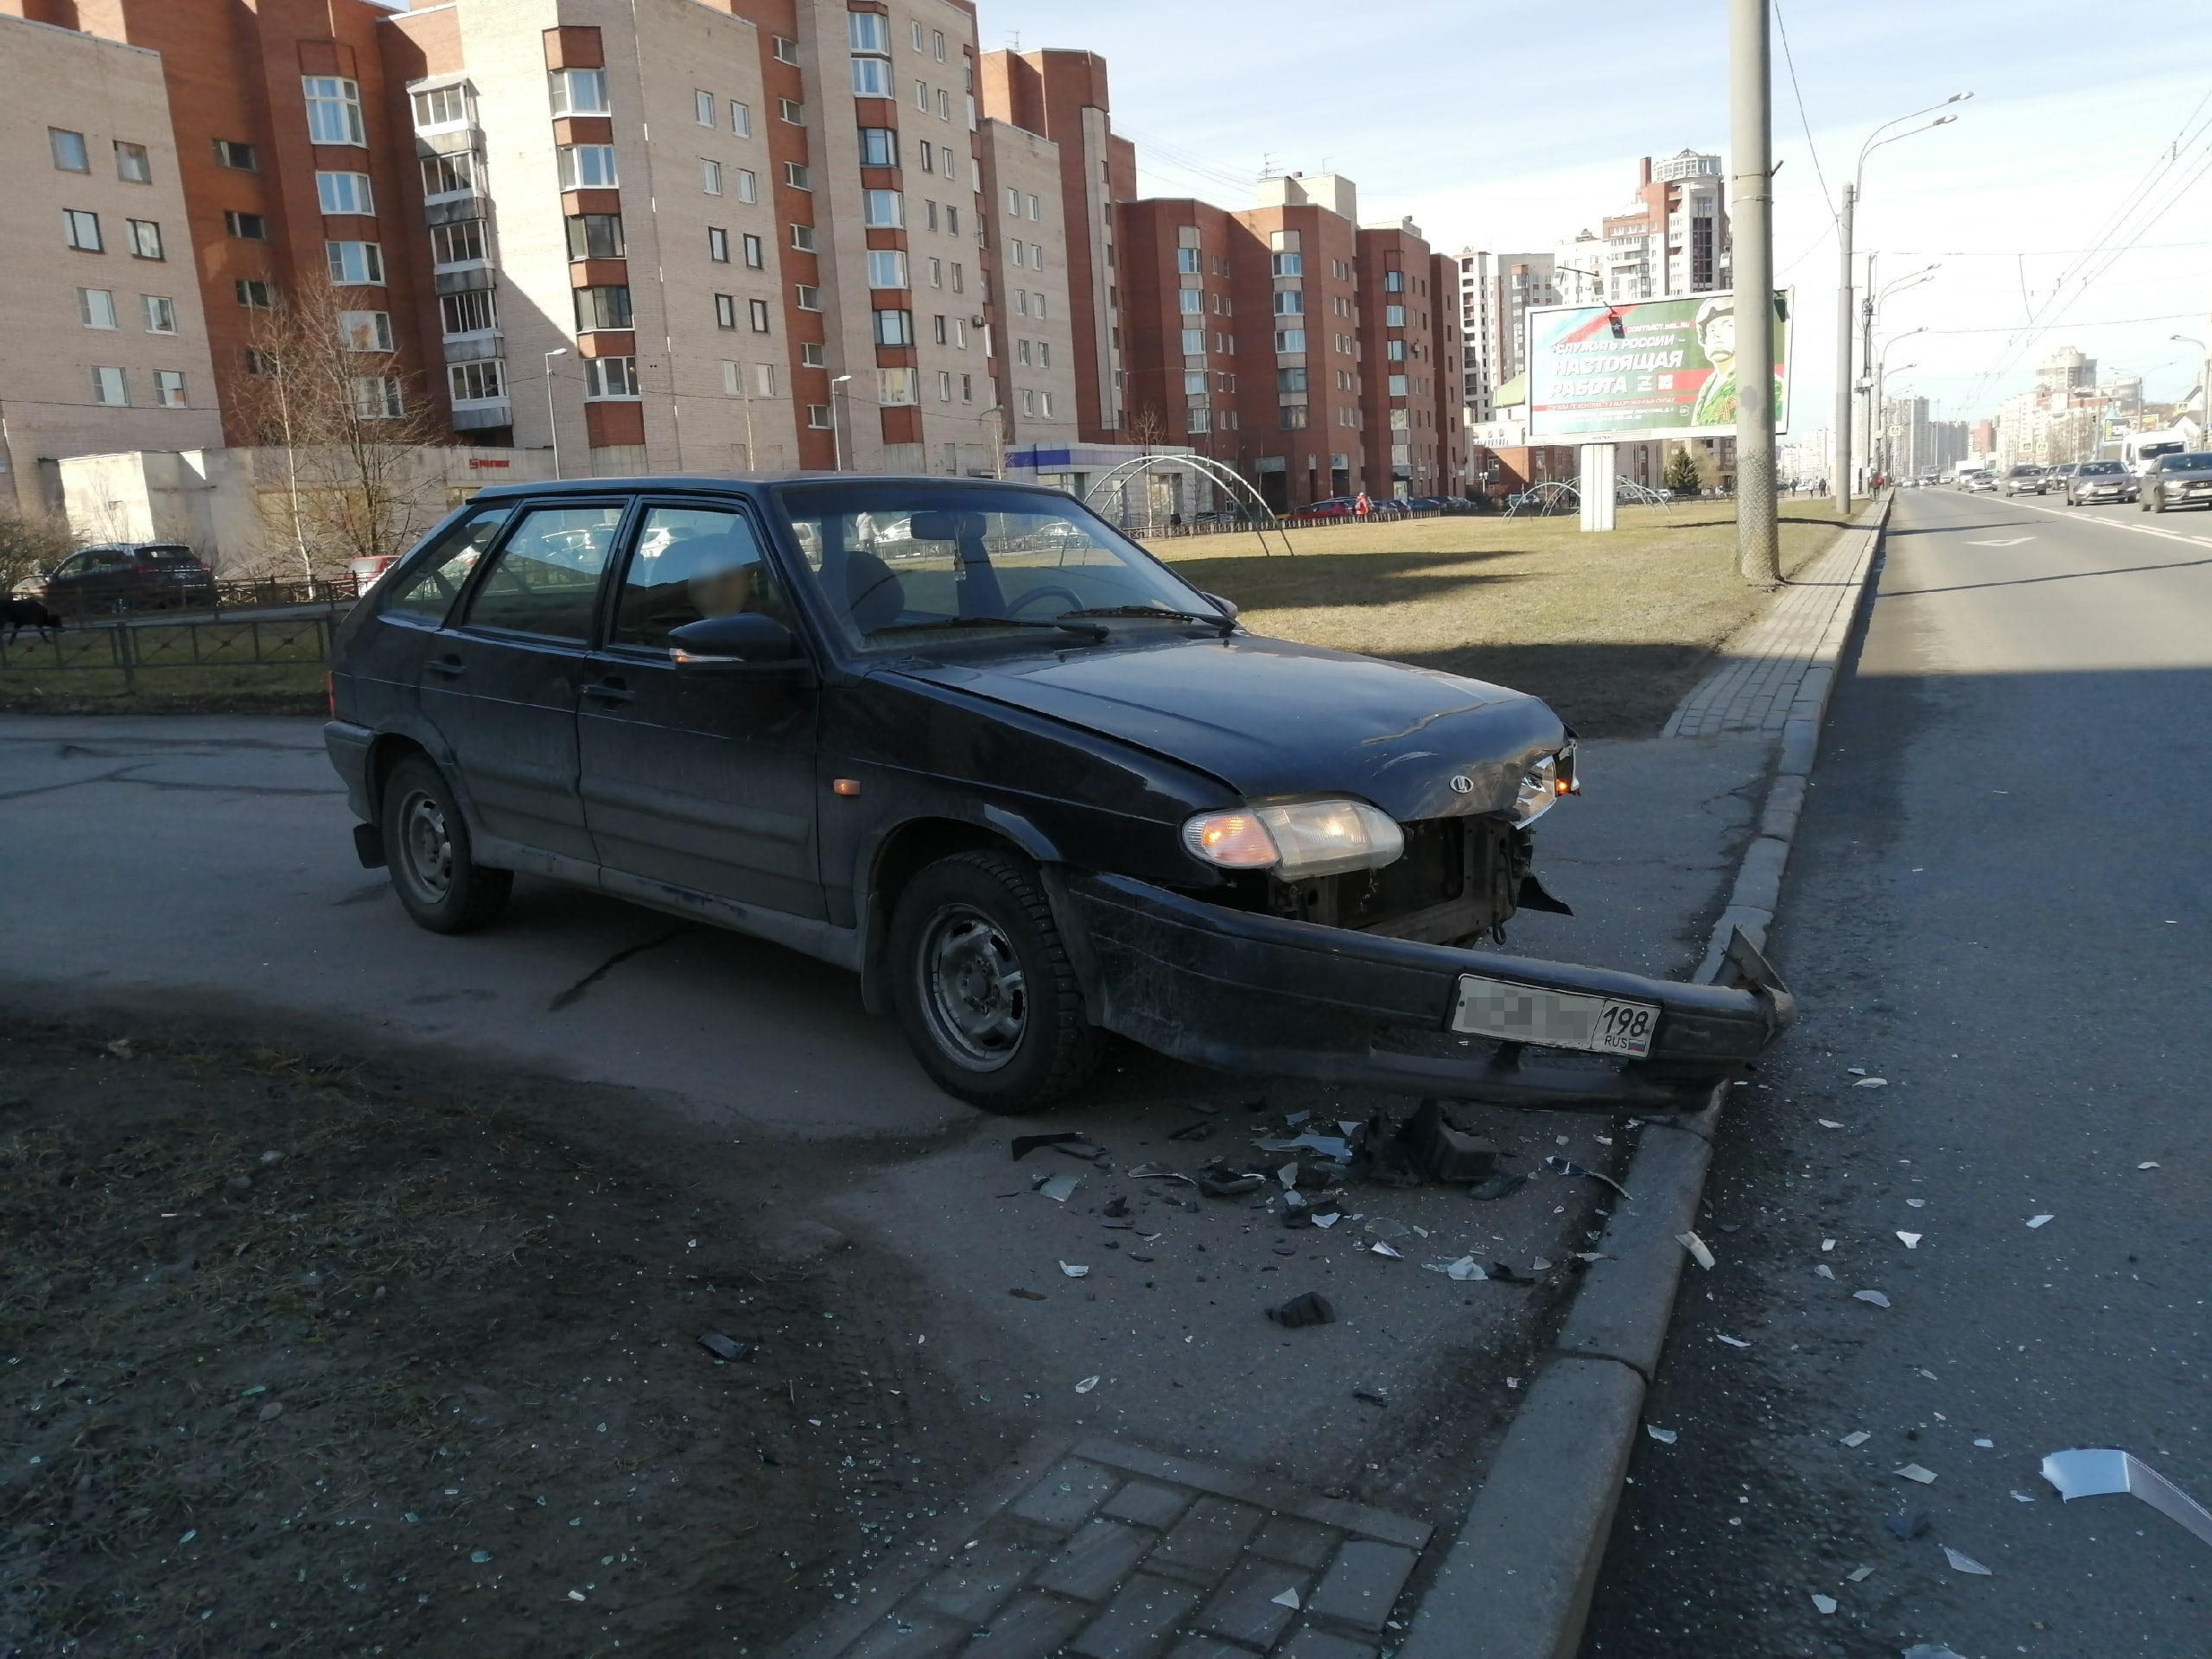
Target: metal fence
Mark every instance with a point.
(120, 647)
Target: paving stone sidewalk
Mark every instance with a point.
(1767, 670)
(1116, 1552)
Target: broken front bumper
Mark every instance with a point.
(1266, 996)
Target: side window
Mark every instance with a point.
(544, 581)
(691, 563)
(445, 571)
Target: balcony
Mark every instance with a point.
(475, 417)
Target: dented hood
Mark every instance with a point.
(1271, 719)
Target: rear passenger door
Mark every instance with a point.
(499, 683)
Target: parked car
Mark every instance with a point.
(1337, 507)
(2100, 480)
(2024, 480)
(2180, 480)
(121, 576)
(1031, 798)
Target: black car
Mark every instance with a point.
(122, 576)
(2180, 480)
(971, 742)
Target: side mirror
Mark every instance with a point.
(745, 640)
(1226, 606)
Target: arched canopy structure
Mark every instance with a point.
(1239, 490)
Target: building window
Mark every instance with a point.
(790, 112)
(442, 106)
(868, 31)
(802, 237)
(1287, 265)
(364, 331)
(944, 105)
(817, 415)
(1393, 282)
(1021, 303)
(145, 238)
(882, 210)
(334, 110)
(886, 268)
(726, 310)
(786, 50)
(717, 244)
(1186, 261)
(796, 176)
(1290, 380)
(806, 297)
(1190, 302)
(951, 220)
(921, 97)
(377, 397)
(1295, 416)
(756, 257)
(257, 363)
(1397, 386)
(703, 109)
(96, 307)
(160, 313)
(231, 154)
(603, 307)
(764, 379)
(758, 310)
(959, 278)
(967, 388)
(894, 327)
(936, 273)
(570, 91)
(168, 388)
(936, 44)
(748, 185)
(1394, 316)
(469, 312)
(898, 387)
(809, 355)
(1016, 252)
(132, 164)
(879, 147)
(480, 382)
(710, 177)
(69, 148)
(1199, 420)
(359, 263)
(944, 385)
(1290, 339)
(446, 176)
(740, 118)
(871, 77)
(1028, 402)
(255, 296)
(610, 377)
(344, 192)
(595, 236)
(1291, 302)
(1394, 351)
(247, 227)
(81, 231)
(1194, 342)
(109, 387)
(587, 167)
(929, 158)
(458, 244)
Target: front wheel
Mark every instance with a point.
(2156, 504)
(426, 845)
(983, 986)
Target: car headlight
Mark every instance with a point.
(1543, 784)
(1306, 838)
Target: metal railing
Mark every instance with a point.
(120, 647)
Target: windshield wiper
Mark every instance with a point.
(1095, 633)
(1216, 620)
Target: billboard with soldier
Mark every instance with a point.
(1643, 369)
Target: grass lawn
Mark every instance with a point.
(1610, 629)
(76, 675)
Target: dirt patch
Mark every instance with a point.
(305, 1355)
(271, 689)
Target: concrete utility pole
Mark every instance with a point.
(1842, 424)
(1758, 552)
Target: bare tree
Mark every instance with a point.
(31, 544)
(1147, 427)
(328, 390)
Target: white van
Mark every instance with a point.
(2140, 449)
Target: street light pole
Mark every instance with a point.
(836, 435)
(552, 424)
(1758, 553)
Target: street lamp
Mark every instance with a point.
(1870, 319)
(836, 438)
(1852, 192)
(1874, 415)
(551, 424)
(2204, 379)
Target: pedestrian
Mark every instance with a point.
(1363, 506)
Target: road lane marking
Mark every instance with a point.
(2013, 542)
(2075, 517)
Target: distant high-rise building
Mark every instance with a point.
(1673, 237)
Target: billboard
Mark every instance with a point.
(1643, 369)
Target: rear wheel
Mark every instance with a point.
(983, 986)
(426, 847)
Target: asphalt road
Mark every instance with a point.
(1999, 903)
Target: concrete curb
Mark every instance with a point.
(1525, 1562)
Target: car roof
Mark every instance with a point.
(747, 483)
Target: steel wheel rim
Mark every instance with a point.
(425, 846)
(974, 994)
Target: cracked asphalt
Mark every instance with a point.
(1999, 904)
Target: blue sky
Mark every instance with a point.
(1511, 127)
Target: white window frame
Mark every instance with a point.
(461, 395)
(562, 86)
(711, 176)
(868, 31)
(346, 193)
(468, 299)
(883, 210)
(159, 311)
(445, 233)
(589, 167)
(170, 390)
(364, 331)
(705, 109)
(333, 110)
(871, 76)
(886, 268)
(56, 147)
(107, 379)
(740, 118)
(611, 379)
(462, 162)
(93, 304)
(126, 152)
(341, 263)
(748, 185)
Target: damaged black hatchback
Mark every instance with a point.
(969, 741)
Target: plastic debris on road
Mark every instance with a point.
(1086, 1385)
(1827, 1122)
(1074, 1271)
(1914, 1472)
(1986, 1446)
(2037, 1221)
(1060, 1188)
(1965, 1563)
(1379, 1247)
(1859, 1574)
(1466, 1269)
(1854, 1071)
(1824, 1270)
(1916, 1203)
(1857, 1437)
(1559, 1166)
(1734, 1341)
(1828, 1244)
(1287, 1598)
(1664, 1436)
(1873, 1296)
(1699, 1252)
(1159, 1172)
(1311, 1308)
(2100, 1472)
(2024, 1497)
(2149, 1166)
(1906, 1527)
(1931, 1650)
(1872, 1083)
(1910, 1241)
(1328, 1220)
(1823, 1604)
(721, 1346)
(1025, 1144)
(1326, 1146)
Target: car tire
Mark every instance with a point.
(984, 988)
(2156, 504)
(426, 850)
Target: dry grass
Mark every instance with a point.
(228, 688)
(1610, 629)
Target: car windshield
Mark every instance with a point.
(2026, 472)
(2101, 467)
(894, 561)
(2197, 463)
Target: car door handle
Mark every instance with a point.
(451, 667)
(610, 691)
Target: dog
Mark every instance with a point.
(17, 614)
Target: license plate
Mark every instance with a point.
(1499, 1009)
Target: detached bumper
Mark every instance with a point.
(1268, 996)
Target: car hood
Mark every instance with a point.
(1270, 718)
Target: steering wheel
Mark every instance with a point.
(1074, 600)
